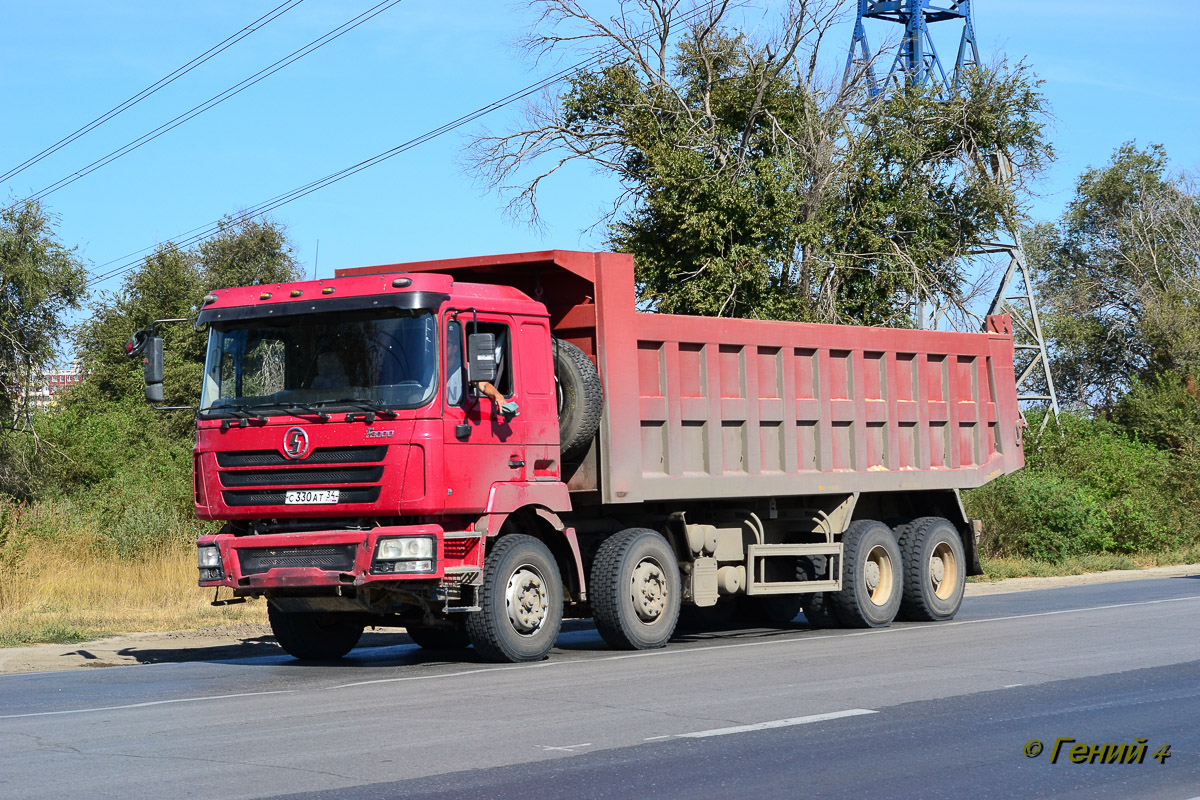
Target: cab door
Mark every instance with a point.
(482, 447)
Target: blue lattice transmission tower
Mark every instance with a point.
(916, 63)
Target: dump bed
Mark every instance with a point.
(699, 407)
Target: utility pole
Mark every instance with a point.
(916, 63)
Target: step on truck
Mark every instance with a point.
(473, 449)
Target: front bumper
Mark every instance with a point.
(321, 559)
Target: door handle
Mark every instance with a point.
(516, 463)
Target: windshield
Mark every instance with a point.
(328, 360)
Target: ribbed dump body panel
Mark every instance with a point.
(698, 408)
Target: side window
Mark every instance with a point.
(456, 333)
(455, 380)
(504, 369)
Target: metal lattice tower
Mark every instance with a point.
(916, 63)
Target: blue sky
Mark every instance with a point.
(1113, 72)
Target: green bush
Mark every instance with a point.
(1088, 487)
(115, 478)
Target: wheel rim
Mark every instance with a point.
(879, 575)
(648, 590)
(525, 599)
(943, 571)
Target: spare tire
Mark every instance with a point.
(580, 399)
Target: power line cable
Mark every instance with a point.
(197, 234)
(215, 100)
(215, 50)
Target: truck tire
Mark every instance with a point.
(429, 638)
(314, 635)
(872, 576)
(520, 602)
(935, 573)
(580, 399)
(635, 590)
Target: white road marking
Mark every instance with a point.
(143, 705)
(570, 748)
(656, 738)
(778, 723)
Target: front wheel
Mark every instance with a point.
(520, 602)
(635, 590)
(871, 576)
(314, 635)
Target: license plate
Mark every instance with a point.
(310, 497)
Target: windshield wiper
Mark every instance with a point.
(367, 414)
(292, 406)
(365, 405)
(240, 413)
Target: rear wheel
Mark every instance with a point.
(520, 602)
(635, 590)
(314, 636)
(934, 569)
(430, 638)
(871, 576)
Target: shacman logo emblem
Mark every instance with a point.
(295, 443)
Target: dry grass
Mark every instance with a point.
(50, 595)
(996, 569)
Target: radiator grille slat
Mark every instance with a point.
(301, 477)
(271, 497)
(321, 455)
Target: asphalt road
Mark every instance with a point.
(916, 710)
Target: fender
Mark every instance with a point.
(546, 500)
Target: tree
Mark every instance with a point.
(1119, 278)
(40, 280)
(751, 186)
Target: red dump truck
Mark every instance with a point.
(474, 448)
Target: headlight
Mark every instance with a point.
(404, 549)
(208, 556)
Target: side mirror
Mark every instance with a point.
(481, 357)
(152, 364)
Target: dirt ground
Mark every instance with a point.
(246, 640)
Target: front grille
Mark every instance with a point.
(301, 476)
(334, 557)
(321, 455)
(357, 494)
